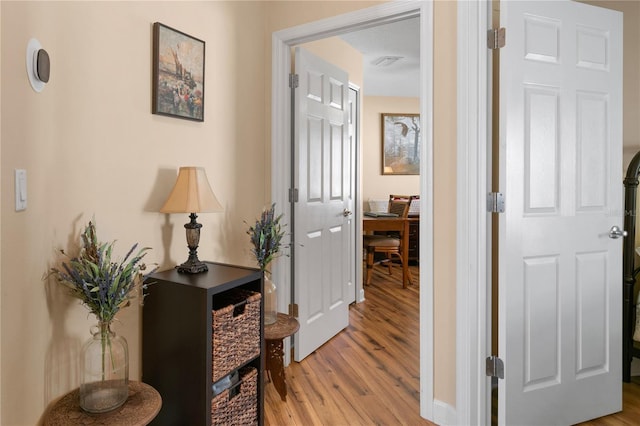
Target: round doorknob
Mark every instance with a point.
(616, 232)
(346, 213)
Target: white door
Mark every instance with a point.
(560, 274)
(321, 218)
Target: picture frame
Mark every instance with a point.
(178, 74)
(401, 137)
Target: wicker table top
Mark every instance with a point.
(141, 407)
(284, 326)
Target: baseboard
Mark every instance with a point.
(443, 413)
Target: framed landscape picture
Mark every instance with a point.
(401, 144)
(178, 74)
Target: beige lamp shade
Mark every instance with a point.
(191, 193)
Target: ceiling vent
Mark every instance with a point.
(385, 61)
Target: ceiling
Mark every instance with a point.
(396, 40)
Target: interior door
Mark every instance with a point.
(322, 212)
(560, 273)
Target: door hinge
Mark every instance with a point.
(496, 38)
(495, 202)
(293, 195)
(293, 81)
(293, 310)
(495, 367)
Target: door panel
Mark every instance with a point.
(560, 274)
(322, 232)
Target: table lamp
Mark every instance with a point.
(192, 194)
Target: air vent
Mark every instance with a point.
(385, 61)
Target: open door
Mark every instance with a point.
(560, 273)
(323, 219)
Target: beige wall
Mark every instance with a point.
(91, 147)
(444, 200)
(375, 185)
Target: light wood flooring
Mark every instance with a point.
(369, 373)
(366, 375)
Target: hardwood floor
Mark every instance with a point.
(369, 373)
(366, 375)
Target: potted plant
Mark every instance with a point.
(266, 236)
(104, 286)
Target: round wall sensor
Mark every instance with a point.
(38, 65)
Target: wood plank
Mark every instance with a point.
(369, 373)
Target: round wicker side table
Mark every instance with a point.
(142, 406)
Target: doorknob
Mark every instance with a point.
(616, 232)
(346, 213)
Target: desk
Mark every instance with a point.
(274, 334)
(140, 408)
(370, 224)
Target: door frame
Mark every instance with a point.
(356, 164)
(281, 171)
(473, 240)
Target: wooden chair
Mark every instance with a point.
(389, 245)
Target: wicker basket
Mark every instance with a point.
(236, 331)
(237, 406)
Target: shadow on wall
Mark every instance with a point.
(165, 180)
(61, 359)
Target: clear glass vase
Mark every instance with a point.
(270, 300)
(104, 369)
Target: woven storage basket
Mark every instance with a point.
(237, 406)
(236, 331)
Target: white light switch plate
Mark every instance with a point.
(21, 189)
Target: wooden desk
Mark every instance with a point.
(140, 408)
(274, 333)
(370, 224)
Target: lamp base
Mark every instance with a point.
(193, 264)
(193, 267)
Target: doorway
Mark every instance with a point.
(281, 154)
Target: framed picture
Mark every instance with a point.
(401, 144)
(178, 74)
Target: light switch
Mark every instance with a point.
(21, 189)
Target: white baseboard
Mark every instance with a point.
(444, 414)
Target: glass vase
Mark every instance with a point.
(270, 301)
(104, 370)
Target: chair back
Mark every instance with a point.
(400, 205)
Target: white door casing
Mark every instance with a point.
(560, 274)
(351, 289)
(322, 222)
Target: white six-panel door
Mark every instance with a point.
(323, 227)
(561, 172)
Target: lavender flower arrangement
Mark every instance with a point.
(266, 237)
(102, 284)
